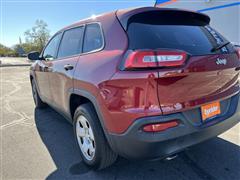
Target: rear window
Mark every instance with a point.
(155, 33)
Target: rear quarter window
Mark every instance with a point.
(93, 39)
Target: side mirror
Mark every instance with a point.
(33, 56)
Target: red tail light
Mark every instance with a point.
(238, 52)
(160, 126)
(149, 59)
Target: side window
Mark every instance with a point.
(51, 49)
(93, 39)
(71, 43)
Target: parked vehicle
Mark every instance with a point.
(141, 83)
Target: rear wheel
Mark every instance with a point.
(94, 148)
(37, 100)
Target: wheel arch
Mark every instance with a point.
(78, 97)
(32, 78)
(79, 94)
(75, 101)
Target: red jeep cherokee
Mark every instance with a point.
(141, 83)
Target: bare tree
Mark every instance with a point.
(38, 35)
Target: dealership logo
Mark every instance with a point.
(220, 61)
(211, 110)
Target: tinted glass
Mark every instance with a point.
(193, 39)
(93, 39)
(51, 49)
(71, 43)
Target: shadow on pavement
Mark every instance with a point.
(212, 160)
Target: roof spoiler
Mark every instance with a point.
(176, 15)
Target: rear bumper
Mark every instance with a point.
(136, 144)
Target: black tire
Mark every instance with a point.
(104, 156)
(37, 100)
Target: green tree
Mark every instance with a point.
(5, 51)
(37, 36)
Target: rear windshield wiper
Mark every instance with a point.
(220, 46)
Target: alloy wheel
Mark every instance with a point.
(85, 137)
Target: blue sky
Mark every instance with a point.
(19, 15)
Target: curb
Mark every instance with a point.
(14, 65)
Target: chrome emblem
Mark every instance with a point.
(220, 61)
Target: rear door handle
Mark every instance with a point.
(68, 67)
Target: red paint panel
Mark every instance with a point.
(127, 97)
(200, 81)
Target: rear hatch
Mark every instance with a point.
(205, 74)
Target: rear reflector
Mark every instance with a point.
(160, 126)
(148, 59)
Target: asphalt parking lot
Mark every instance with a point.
(39, 144)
